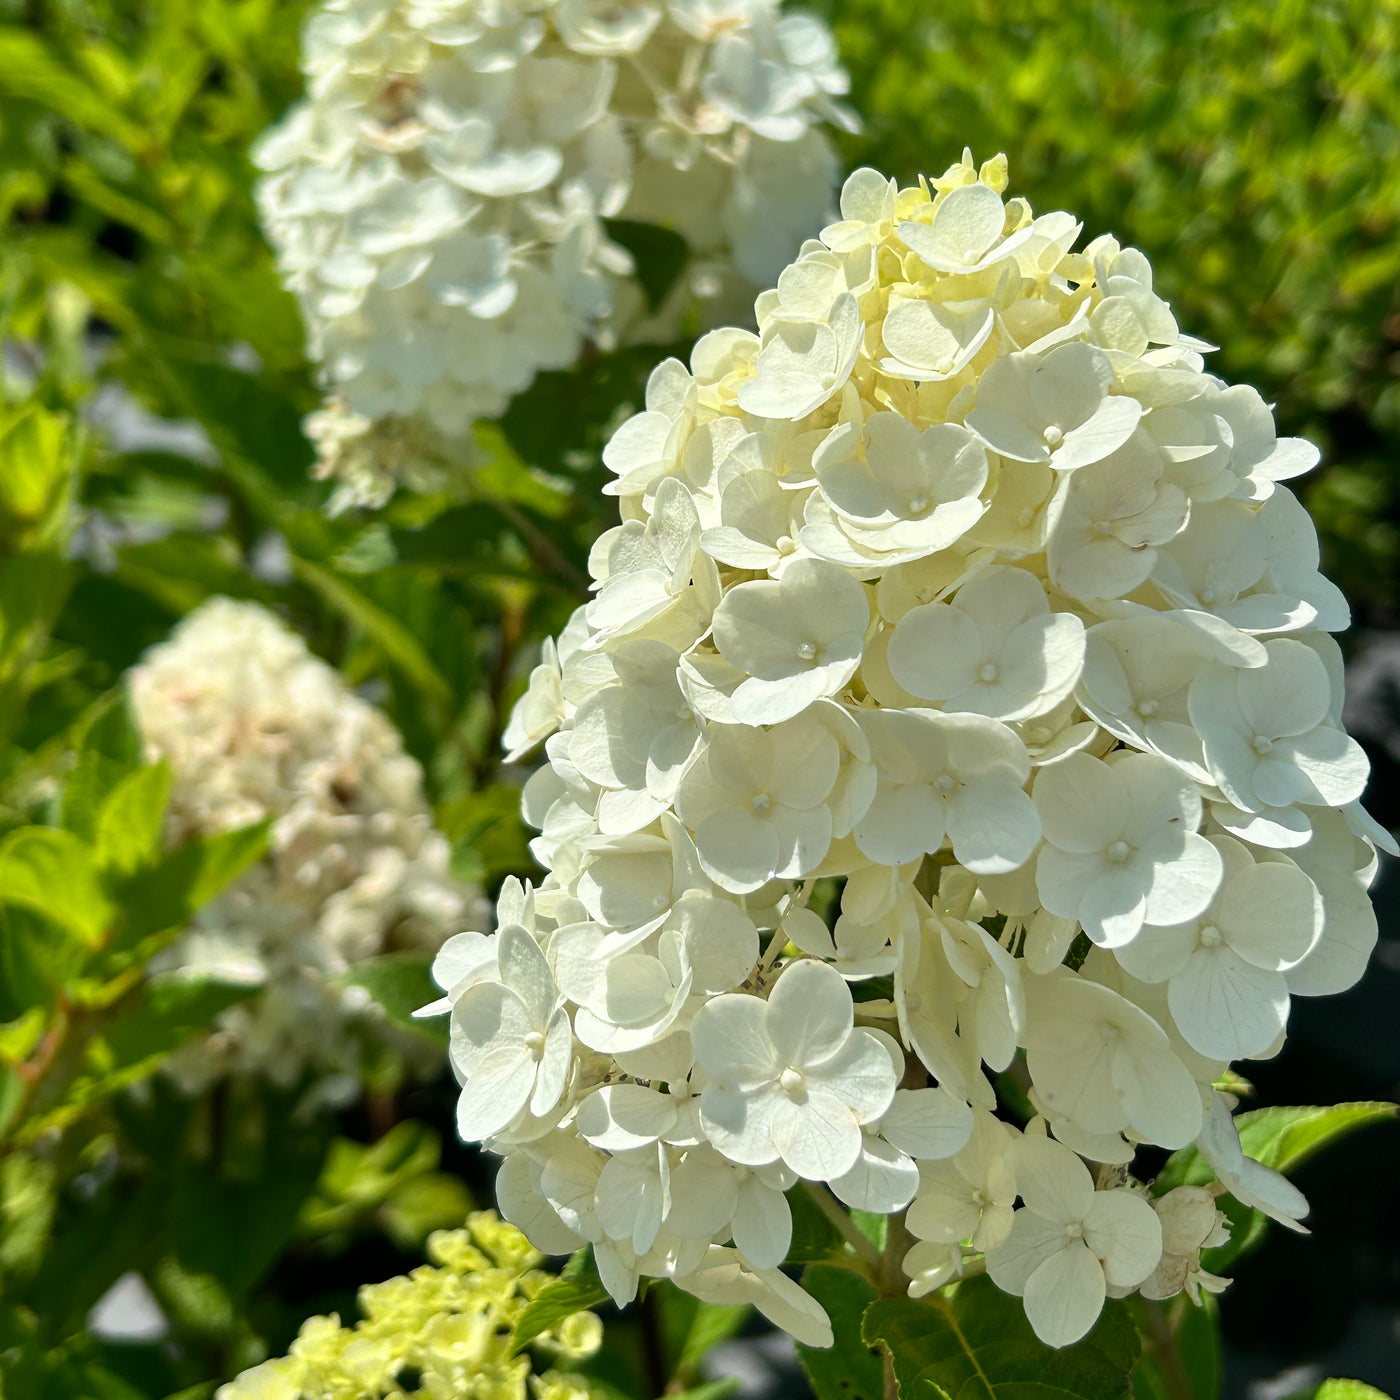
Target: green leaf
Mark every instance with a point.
(53, 872)
(711, 1390)
(974, 1342)
(398, 644)
(392, 1182)
(1348, 1390)
(577, 1289)
(1181, 1349)
(814, 1238)
(188, 878)
(660, 255)
(849, 1369)
(1284, 1138)
(1281, 1138)
(131, 823)
(37, 959)
(688, 1328)
(171, 1009)
(33, 464)
(401, 983)
(110, 750)
(28, 69)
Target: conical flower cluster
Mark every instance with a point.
(957, 697)
(254, 727)
(437, 201)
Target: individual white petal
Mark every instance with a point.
(496, 1093)
(818, 1137)
(1226, 1008)
(1054, 1183)
(762, 1224)
(620, 1117)
(1065, 1295)
(731, 1043)
(810, 1014)
(1124, 1232)
(993, 826)
(1032, 1241)
(883, 1178)
(927, 1123)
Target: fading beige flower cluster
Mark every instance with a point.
(447, 1324)
(962, 605)
(437, 202)
(255, 727)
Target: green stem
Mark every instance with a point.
(1160, 1336)
(847, 1227)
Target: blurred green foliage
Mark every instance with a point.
(1248, 147)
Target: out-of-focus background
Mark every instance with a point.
(1250, 147)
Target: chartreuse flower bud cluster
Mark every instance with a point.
(961, 604)
(256, 728)
(442, 1332)
(437, 200)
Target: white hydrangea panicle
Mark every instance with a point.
(256, 728)
(955, 701)
(437, 201)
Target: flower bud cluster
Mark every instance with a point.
(957, 697)
(448, 1323)
(437, 201)
(256, 728)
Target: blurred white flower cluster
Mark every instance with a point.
(254, 727)
(437, 200)
(961, 604)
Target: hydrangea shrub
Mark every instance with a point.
(438, 200)
(254, 727)
(957, 699)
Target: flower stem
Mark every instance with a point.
(849, 1231)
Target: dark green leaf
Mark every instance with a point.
(688, 1328)
(1181, 1349)
(398, 644)
(660, 255)
(171, 1008)
(975, 1343)
(814, 1238)
(849, 1369)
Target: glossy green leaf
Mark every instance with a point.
(577, 1289)
(1281, 1138)
(974, 1343)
